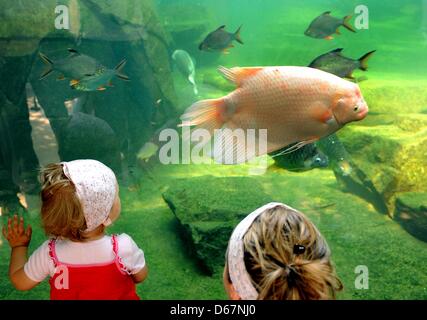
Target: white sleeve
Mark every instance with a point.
(132, 256)
(39, 265)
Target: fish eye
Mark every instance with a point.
(356, 108)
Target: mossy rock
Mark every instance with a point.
(393, 156)
(208, 208)
(411, 213)
(386, 96)
(417, 201)
(142, 27)
(23, 24)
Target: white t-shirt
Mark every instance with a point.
(40, 264)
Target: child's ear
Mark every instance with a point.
(107, 222)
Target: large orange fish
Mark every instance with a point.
(294, 104)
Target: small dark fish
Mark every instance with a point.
(338, 156)
(334, 62)
(325, 25)
(306, 158)
(100, 79)
(75, 66)
(220, 40)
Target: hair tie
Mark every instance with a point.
(299, 249)
(239, 276)
(291, 276)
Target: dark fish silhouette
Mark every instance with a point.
(338, 156)
(100, 79)
(305, 158)
(75, 66)
(334, 62)
(325, 25)
(220, 40)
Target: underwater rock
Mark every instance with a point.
(130, 108)
(386, 96)
(393, 156)
(150, 49)
(186, 27)
(94, 139)
(411, 213)
(208, 213)
(23, 24)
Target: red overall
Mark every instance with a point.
(107, 281)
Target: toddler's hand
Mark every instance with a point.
(15, 233)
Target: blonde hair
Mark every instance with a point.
(276, 271)
(61, 212)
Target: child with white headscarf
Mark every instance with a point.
(79, 200)
(277, 253)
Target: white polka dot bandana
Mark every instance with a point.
(96, 189)
(239, 276)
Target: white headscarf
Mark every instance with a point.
(96, 189)
(240, 278)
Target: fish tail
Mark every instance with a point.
(206, 114)
(49, 64)
(237, 35)
(193, 82)
(119, 72)
(346, 23)
(364, 60)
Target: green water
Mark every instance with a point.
(389, 146)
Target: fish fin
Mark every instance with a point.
(326, 12)
(337, 31)
(49, 63)
(74, 82)
(237, 74)
(45, 74)
(206, 114)
(322, 114)
(118, 70)
(329, 37)
(345, 167)
(73, 52)
(110, 83)
(230, 46)
(101, 88)
(337, 51)
(360, 79)
(350, 75)
(237, 36)
(364, 60)
(222, 27)
(296, 146)
(346, 23)
(61, 77)
(191, 80)
(225, 51)
(230, 148)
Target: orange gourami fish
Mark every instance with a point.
(294, 104)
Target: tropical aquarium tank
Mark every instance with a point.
(206, 110)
